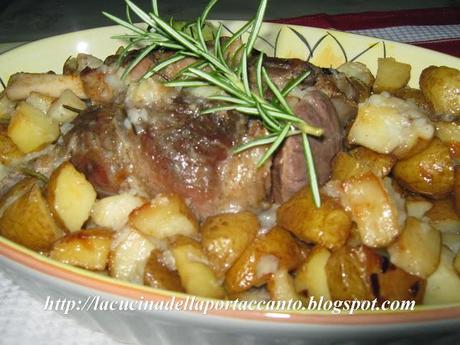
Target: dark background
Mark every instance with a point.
(26, 20)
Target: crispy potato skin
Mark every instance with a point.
(440, 86)
(360, 273)
(224, 237)
(28, 221)
(157, 275)
(430, 172)
(278, 243)
(88, 249)
(328, 225)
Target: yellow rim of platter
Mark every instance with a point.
(325, 48)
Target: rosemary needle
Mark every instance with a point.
(232, 78)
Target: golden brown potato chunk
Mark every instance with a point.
(16, 191)
(457, 189)
(417, 249)
(391, 75)
(224, 237)
(268, 253)
(328, 225)
(281, 287)
(395, 284)
(70, 196)
(9, 152)
(360, 161)
(348, 272)
(30, 129)
(86, 248)
(443, 286)
(164, 216)
(360, 273)
(311, 278)
(194, 271)
(449, 133)
(443, 217)
(28, 221)
(441, 86)
(430, 172)
(157, 275)
(373, 209)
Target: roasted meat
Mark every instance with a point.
(140, 135)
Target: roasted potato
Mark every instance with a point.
(395, 284)
(358, 71)
(129, 254)
(416, 96)
(70, 196)
(86, 248)
(418, 248)
(417, 207)
(443, 217)
(224, 237)
(60, 113)
(195, 273)
(268, 253)
(113, 211)
(165, 216)
(348, 272)
(449, 134)
(16, 191)
(373, 208)
(451, 241)
(441, 86)
(39, 101)
(28, 221)
(360, 273)
(328, 225)
(158, 275)
(430, 172)
(457, 262)
(443, 286)
(391, 75)
(9, 152)
(397, 126)
(280, 286)
(360, 161)
(30, 129)
(311, 278)
(457, 189)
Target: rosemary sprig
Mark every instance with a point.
(212, 68)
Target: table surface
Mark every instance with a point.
(27, 20)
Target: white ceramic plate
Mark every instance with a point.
(43, 277)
